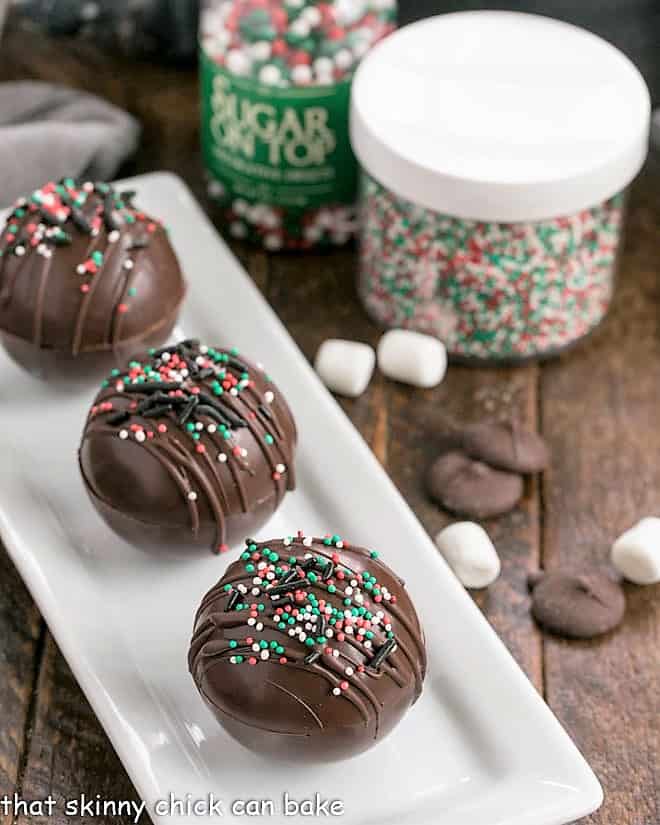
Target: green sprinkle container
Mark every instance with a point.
(275, 87)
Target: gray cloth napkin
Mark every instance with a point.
(49, 132)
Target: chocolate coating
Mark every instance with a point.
(191, 447)
(86, 279)
(318, 686)
(578, 606)
(471, 488)
(506, 445)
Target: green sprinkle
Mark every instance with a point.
(233, 643)
(309, 642)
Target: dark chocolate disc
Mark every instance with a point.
(472, 488)
(83, 273)
(506, 445)
(308, 649)
(577, 605)
(190, 446)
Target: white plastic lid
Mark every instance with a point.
(499, 116)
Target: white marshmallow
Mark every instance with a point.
(470, 553)
(412, 358)
(636, 554)
(345, 367)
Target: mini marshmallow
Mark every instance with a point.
(345, 367)
(470, 553)
(636, 554)
(412, 358)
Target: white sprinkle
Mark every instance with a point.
(255, 591)
(257, 580)
(292, 632)
(80, 269)
(242, 588)
(140, 436)
(123, 434)
(233, 391)
(367, 644)
(270, 74)
(211, 428)
(269, 397)
(240, 206)
(261, 565)
(192, 496)
(335, 653)
(344, 59)
(287, 542)
(264, 655)
(165, 357)
(259, 626)
(256, 647)
(329, 633)
(308, 543)
(128, 264)
(348, 591)
(222, 458)
(203, 349)
(251, 622)
(243, 453)
(302, 636)
(336, 692)
(349, 671)
(280, 468)
(339, 545)
(199, 426)
(238, 62)
(260, 50)
(273, 242)
(113, 237)
(301, 75)
(354, 582)
(232, 659)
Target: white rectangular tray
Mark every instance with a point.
(479, 748)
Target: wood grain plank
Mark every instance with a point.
(20, 630)
(407, 428)
(600, 413)
(69, 752)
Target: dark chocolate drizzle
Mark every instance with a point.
(93, 210)
(398, 654)
(190, 401)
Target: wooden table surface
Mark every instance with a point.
(598, 407)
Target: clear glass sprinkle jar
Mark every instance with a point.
(493, 197)
(275, 87)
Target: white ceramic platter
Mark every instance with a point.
(479, 748)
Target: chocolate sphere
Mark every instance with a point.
(86, 280)
(189, 447)
(308, 649)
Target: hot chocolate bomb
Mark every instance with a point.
(86, 280)
(190, 447)
(308, 648)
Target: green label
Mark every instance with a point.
(286, 147)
